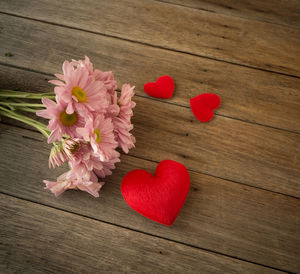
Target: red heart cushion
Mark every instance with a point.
(203, 105)
(159, 197)
(162, 88)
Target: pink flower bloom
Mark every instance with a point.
(86, 63)
(57, 156)
(96, 122)
(125, 103)
(77, 88)
(77, 149)
(122, 122)
(113, 108)
(123, 136)
(99, 132)
(69, 180)
(107, 78)
(60, 121)
(81, 156)
(108, 165)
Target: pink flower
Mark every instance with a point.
(77, 88)
(57, 156)
(113, 109)
(77, 149)
(70, 180)
(86, 63)
(81, 156)
(122, 122)
(108, 165)
(107, 78)
(99, 132)
(125, 103)
(123, 136)
(60, 121)
(87, 110)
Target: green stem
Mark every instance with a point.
(28, 95)
(25, 121)
(21, 104)
(25, 117)
(28, 109)
(22, 118)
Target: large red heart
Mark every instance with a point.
(162, 88)
(203, 105)
(159, 197)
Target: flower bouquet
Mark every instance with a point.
(88, 121)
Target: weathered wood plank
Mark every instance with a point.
(273, 11)
(252, 43)
(230, 149)
(39, 239)
(247, 94)
(218, 215)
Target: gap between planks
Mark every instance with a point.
(151, 45)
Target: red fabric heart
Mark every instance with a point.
(203, 105)
(159, 197)
(162, 88)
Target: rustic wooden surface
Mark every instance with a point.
(63, 247)
(277, 11)
(242, 214)
(256, 44)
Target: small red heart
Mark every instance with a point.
(203, 105)
(162, 88)
(159, 197)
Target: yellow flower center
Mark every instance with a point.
(68, 119)
(79, 93)
(97, 132)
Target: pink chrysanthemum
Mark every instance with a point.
(125, 103)
(60, 121)
(86, 63)
(57, 156)
(77, 88)
(70, 180)
(87, 110)
(108, 80)
(113, 109)
(107, 166)
(107, 77)
(99, 132)
(81, 156)
(123, 136)
(122, 122)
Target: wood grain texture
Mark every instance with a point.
(254, 155)
(246, 94)
(218, 215)
(39, 239)
(235, 218)
(242, 41)
(273, 11)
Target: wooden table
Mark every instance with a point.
(242, 213)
